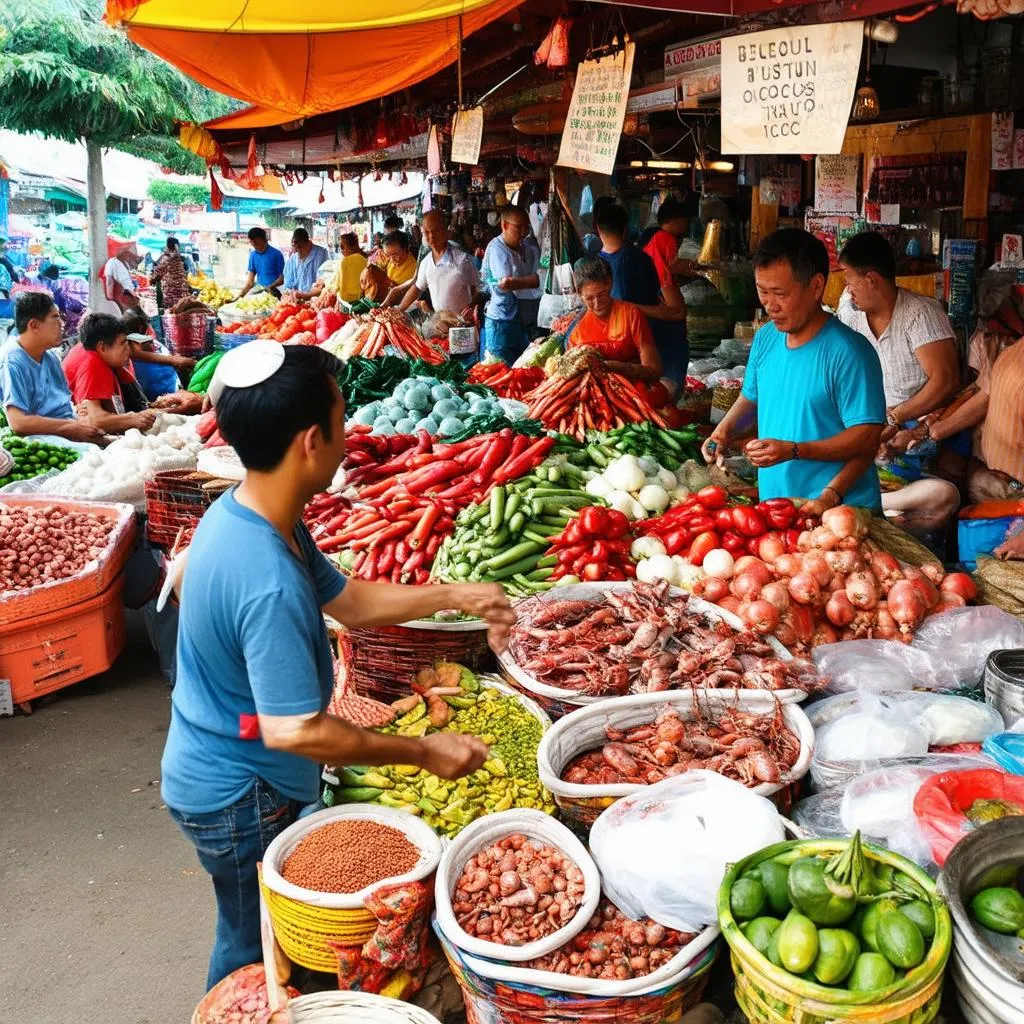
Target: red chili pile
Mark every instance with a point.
(44, 543)
(507, 381)
(614, 947)
(594, 546)
(516, 891)
(346, 856)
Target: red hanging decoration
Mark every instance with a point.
(322, 198)
(553, 51)
(216, 195)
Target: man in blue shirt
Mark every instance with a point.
(266, 264)
(34, 392)
(507, 269)
(301, 267)
(248, 723)
(813, 390)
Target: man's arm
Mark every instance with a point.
(940, 362)
(853, 442)
(23, 424)
(396, 292)
(411, 295)
(139, 354)
(249, 282)
(516, 284)
(965, 417)
(663, 312)
(116, 423)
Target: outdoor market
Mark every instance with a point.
(567, 466)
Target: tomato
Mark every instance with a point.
(723, 519)
(699, 523)
(573, 533)
(677, 541)
(593, 571)
(616, 523)
(702, 544)
(593, 521)
(733, 542)
(748, 521)
(712, 497)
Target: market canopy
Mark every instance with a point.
(295, 62)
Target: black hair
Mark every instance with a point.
(594, 270)
(392, 222)
(805, 254)
(350, 238)
(96, 328)
(51, 271)
(260, 422)
(300, 235)
(134, 322)
(172, 243)
(257, 234)
(612, 218)
(397, 238)
(870, 251)
(31, 306)
(671, 209)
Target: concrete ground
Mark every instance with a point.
(104, 911)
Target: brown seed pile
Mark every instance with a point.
(346, 856)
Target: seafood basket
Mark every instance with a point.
(587, 728)
(489, 830)
(558, 701)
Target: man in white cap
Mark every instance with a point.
(254, 671)
(118, 284)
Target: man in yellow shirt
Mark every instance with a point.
(350, 267)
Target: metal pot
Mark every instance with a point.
(1004, 683)
(987, 969)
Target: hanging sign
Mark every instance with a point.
(467, 134)
(593, 126)
(789, 90)
(835, 184)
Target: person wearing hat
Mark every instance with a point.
(118, 284)
(249, 727)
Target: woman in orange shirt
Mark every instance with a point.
(617, 329)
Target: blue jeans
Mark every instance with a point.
(503, 339)
(229, 843)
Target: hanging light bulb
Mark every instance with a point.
(865, 101)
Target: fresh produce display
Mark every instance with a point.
(842, 920)
(202, 374)
(449, 698)
(669, 448)
(637, 487)
(210, 293)
(189, 304)
(347, 856)
(389, 328)
(613, 946)
(594, 546)
(582, 394)
(365, 380)
(33, 458)
(539, 891)
(257, 302)
(549, 348)
(1000, 908)
(362, 711)
(749, 747)
(642, 640)
(46, 543)
(507, 381)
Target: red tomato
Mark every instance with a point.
(733, 542)
(677, 541)
(592, 521)
(749, 521)
(723, 519)
(712, 497)
(573, 533)
(616, 524)
(702, 544)
(593, 571)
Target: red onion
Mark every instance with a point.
(862, 590)
(761, 616)
(948, 601)
(885, 627)
(886, 568)
(928, 591)
(824, 634)
(934, 572)
(838, 582)
(844, 521)
(788, 565)
(803, 542)
(770, 546)
(906, 605)
(839, 610)
(714, 589)
(804, 589)
(753, 565)
(849, 544)
(747, 587)
(843, 561)
(800, 618)
(776, 593)
(960, 584)
(730, 603)
(823, 539)
(816, 565)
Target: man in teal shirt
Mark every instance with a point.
(812, 396)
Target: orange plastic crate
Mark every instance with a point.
(51, 651)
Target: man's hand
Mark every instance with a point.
(1012, 549)
(506, 284)
(144, 420)
(182, 362)
(714, 448)
(766, 451)
(487, 601)
(452, 755)
(85, 432)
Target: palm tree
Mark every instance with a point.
(65, 74)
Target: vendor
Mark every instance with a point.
(445, 272)
(813, 388)
(34, 392)
(301, 267)
(618, 330)
(916, 346)
(663, 248)
(373, 282)
(248, 724)
(350, 268)
(506, 270)
(69, 306)
(172, 274)
(118, 283)
(154, 367)
(266, 264)
(102, 384)
(401, 263)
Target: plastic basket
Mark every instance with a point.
(980, 537)
(61, 647)
(188, 334)
(21, 605)
(582, 730)
(176, 500)
(225, 342)
(769, 995)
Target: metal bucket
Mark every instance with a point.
(988, 970)
(1004, 683)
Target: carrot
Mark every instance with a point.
(428, 519)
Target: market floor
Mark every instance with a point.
(104, 912)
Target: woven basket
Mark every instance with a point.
(355, 1008)
(769, 995)
(188, 334)
(176, 500)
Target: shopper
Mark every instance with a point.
(663, 248)
(916, 346)
(34, 392)
(350, 267)
(154, 367)
(445, 272)
(813, 389)
(99, 375)
(172, 274)
(266, 264)
(248, 724)
(118, 283)
(506, 269)
(302, 266)
(374, 284)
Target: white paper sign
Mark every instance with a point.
(467, 134)
(835, 184)
(789, 90)
(593, 125)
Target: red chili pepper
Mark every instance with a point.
(616, 575)
(616, 524)
(702, 544)
(700, 524)
(593, 521)
(593, 571)
(677, 541)
(572, 534)
(733, 542)
(712, 497)
(599, 551)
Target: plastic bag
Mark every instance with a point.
(702, 367)
(868, 729)
(662, 853)
(725, 375)
(1007, 750)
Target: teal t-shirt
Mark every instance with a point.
(251, 640)
(810, 393)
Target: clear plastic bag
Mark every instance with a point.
(870, 728)
(662, 853)
(723, 376)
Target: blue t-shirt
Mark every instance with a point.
(268, 265)
(37, 389)
(251, 640)
(810, 393)
(500, 262)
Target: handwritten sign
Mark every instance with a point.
(593, 126)
(467, 134)
(789, 90)
(835, 184)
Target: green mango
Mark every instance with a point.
(798, 942)
(811, 895)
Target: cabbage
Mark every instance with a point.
(382, 421)
(439, 392)
(429, 424)
(418, 397)
(451, 425)
(447, 407)
(385, 428)
(406, 425)
(364, 416)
